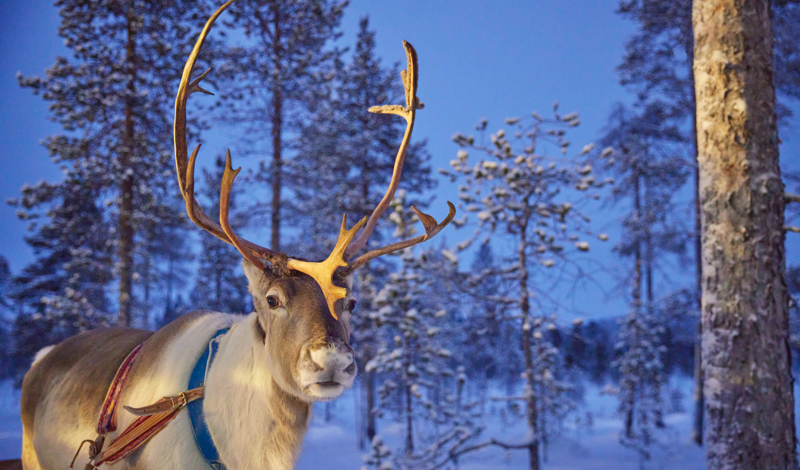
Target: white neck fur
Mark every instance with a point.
(253, 422)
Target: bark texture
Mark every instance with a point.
(746, 361)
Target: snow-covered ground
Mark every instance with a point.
(580, 445)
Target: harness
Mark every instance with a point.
(153, 418)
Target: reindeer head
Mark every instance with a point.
(302, 308)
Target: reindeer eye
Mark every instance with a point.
(351, 305)
(273, 301)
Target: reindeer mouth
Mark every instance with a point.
(328, 384)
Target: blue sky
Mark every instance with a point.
(478, 59)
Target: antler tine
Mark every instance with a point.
(431, 229)
(410, 78)
(224, 204)
(185, 167)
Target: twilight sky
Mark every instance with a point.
(477, 59)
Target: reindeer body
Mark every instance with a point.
(254, 423)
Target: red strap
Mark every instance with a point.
(108, 415)
(135, 436)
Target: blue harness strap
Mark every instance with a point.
(202, 436)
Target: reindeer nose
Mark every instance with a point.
(331, 358)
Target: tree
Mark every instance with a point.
(274, 75)
(421, 382)
(64, 290)
(113, 99)
(657, 67)
(526, 196)
(749, 399)
(642, 379)
(220, 284)
(650, 174)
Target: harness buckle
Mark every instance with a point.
(179, 405)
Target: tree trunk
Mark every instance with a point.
(637, 285)
(409, 409)
(277, 128)
(746, 361)
(525, 309)
(125, 222)
(370, 388)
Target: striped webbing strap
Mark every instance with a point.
(108, 415)
(135, 436)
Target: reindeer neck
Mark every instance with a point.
(253, 422)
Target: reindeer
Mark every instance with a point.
(269, 368)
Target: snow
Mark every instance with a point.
(589, 439)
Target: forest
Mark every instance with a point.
(618, 289)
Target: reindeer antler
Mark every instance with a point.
(256, 254)
(410, 78)
(185, 167)
(321, 272)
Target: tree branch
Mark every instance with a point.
(789, 197)
(790, 228)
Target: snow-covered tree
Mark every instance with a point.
(413, 356)
(525, 190)
(485, 327)
(412, 361)
(642, 379)
(654, 233)
(64, 290)
(113, 99)
(380, 456)
(553, 389)
(345, 154)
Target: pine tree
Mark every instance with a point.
(412, 361)
(745, 332)
(220, 284)
(64, 290)
(380, 456)
(413, 358)
(642, 380)
(271, 78)
(524, 195)
(653, 231)
(113, 98)
(489, 350)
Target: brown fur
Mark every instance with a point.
(81, 369)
